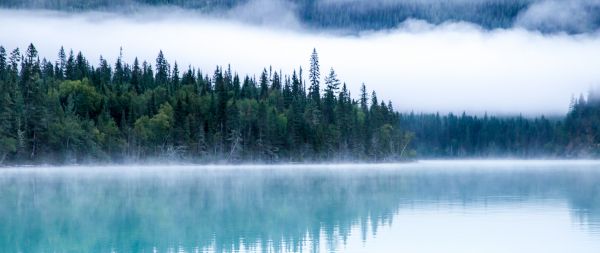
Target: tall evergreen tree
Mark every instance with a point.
(70, 69)
(162, 69)
(364, 97)
(314, 76)
(276, 82)
(3, 64)
(61, 64)
(136, 77)
(175, 76)
(264, 84)
(332, 84)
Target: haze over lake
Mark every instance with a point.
(455, 206)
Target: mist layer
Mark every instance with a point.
(418, 65)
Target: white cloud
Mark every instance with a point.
(278, 13)
(421, 67)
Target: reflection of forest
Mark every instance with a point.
(233, 209)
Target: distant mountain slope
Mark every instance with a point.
(548, 16)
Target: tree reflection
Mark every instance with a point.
(257, 210)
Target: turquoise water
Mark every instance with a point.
(442, 206)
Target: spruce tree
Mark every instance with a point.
(331, 87)
(61, 64)
(162, 69)
(136, 77)
(264, 84)
(3, 64)
(314, 76)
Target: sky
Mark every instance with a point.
(420, 67)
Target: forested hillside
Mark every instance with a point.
(70, 111)
(361, 15)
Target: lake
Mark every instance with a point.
(429, 206)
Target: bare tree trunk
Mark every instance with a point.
(235, 143)
(3, 157)
(404, 148)
(33, 145)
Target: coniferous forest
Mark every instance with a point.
(349, 15)
(72, 111)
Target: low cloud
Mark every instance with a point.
(349, 16)
(418, 65)
(278, 13)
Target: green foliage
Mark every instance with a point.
(73, 112)
(485, 136)
(7, 145)
(583, 126)
(86, 101)
(155, 130)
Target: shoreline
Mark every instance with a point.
(422, 164)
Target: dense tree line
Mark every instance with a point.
(485, 136)
(70, 111)
(582, 126)
(352, 15)
(575, 136)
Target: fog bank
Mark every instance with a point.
(419, 66)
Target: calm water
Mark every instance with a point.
(492, 206)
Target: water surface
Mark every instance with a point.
(436, 206)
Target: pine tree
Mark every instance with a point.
(175, 77)
(136, 77)
(81, 67)
(364, 97)
(297, 92)
(287, 93)
(70, 69)
(119, 76)
(61, 64)
(8, 142)
(33, 97)
(148, 81)
(314, 76)
(331, 87)
(3, 64)
(162, 69)
(264, 84)
(221, 106)
(236, 87)
(276, 82)
(248, 89)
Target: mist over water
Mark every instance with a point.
(418, 65)
(473, 206)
